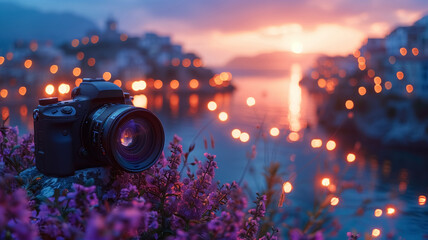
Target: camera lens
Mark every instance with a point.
(128, 137)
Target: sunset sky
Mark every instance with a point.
(218, 30)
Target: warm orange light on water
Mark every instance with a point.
(91, 62)
(107, 76)
(377, 80)
(403, 51)
(140, 101)
(49, 89)
(331, 145)
(322, 83)
(78, 81)
(388, 85)
(94, 39)
(390, 211)
(194, 83)
(274, 132)
(349, 104)
(158, 84)
(422, 200)
(400, 75)
(3, 93)
(75, 42)
(350, 157)
(53, 69)
(325, 182)
(174, 84)
(64, 88)
(77, 71)
(22, 90)
(378, 88)
(287, 187)
(139, 85)
(186, 62)
(376, 232)
(118, 82)
(80, 56)
(251, 101)
(244, 137)
(212, 106)
(28, 63)
(316, 143)
(223, 116)
(293, 137)
(409, 88)
(236, 133)
(362, 91)
(334, 201)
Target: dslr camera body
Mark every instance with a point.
(99, 126)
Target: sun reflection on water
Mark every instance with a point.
(295, 98)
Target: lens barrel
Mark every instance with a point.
(128, 137)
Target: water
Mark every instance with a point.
(384, 178)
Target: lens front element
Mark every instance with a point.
(131, 138)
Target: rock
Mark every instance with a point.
(38, 185)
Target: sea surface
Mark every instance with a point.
(377, 179)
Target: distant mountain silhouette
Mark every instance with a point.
(274, 62)
(22, 23)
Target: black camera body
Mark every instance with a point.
(98, 127)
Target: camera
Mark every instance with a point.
(99, 126)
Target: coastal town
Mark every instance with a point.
(381, 90)
(137, 64)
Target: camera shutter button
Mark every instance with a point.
(67, 110)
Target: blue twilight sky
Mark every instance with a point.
(218, 30)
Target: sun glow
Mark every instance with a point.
(297, 47)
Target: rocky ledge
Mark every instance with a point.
(41, 185)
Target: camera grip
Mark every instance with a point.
(54, 156)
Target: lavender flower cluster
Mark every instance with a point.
(171, 200)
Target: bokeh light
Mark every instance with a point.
(158, 84)
(22, 90)
(107, 76)
(77, 71)
(63, 88)
(390, 211)
(287, 187)
(53, 69)
(3, 93)
(316, 143)
(212, 106)
(325, 182)
(422, 200)
(28, 63)
(194, 83)
(274, 132)
(174, 84)
(334, 201)
(251, 101)
(236, 133)
(349, 104)
(376, 232)
(244, 137)
(49, 89)
(378, 212)
(350, 157)
(223, 116)
(330, 145)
